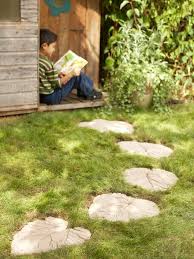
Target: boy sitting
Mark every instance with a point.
(54, 88)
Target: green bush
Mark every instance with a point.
(173, 19)
(136, 67)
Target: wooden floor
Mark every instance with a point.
(70, 103)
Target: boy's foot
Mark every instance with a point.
(93, 96)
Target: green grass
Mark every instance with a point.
(51, 167)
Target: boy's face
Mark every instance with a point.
(50, 49)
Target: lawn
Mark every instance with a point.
(51, 167)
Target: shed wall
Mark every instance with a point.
(19, 60)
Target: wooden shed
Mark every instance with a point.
(78, 29)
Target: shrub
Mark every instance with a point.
(136, 66)
(173, 19)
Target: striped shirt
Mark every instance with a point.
(48, 76)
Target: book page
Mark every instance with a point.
(69, 62)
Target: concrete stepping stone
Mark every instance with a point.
(152, 180)
(105, 126)
(146, 149)
(119, 207)
(46, 235)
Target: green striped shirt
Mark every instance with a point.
(48, 76)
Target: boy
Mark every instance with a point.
(54, 88)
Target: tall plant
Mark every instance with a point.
(137, 67)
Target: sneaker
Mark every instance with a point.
(94, 95)
(80, 94)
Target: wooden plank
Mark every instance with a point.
(18, 58)
(71, 106)
(74, 41)
(83, 49)
(18, 44)
(54, 25)
(64, 21)
(29, 11)
(93, 39)
(72, 100)
(18, 72)
(18, 86)
(16, 99)
(44, 12)
(63, 40)
(18, 108)
(63, 34)
(18, 30)
(77, 15)
(23, 110)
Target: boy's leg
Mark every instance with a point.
(82, 82)
(51, 99)
(60, 93)
(84, 86)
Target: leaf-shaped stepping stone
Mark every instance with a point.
(119, 207)
(153, 180)
(46, 235)
(105, 125)
(146, 149)
(77, 236)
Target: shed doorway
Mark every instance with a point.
(78, 29)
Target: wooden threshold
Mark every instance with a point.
(71, 103)
(15, 110)
(19, 112)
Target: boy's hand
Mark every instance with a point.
(64, 78)
(61, 74)
(76, 71)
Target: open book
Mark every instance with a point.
(70, 61)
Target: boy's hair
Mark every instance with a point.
(47, 36)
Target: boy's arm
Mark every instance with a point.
(57, 80)
(52, 77)
(45, 86)
(47, 76)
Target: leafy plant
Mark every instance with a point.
(174, 20)
(136, 67)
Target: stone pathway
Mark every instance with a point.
(52, 233)
(119, 207)
(152, 180)
(105, 126)
(46, 235)
(146, 149)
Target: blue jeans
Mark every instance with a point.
(82, 83)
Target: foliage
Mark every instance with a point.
(137, 67)
(51, 167)
(174, 20)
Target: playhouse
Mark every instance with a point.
(77, 24)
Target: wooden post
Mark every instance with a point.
(93, 21)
